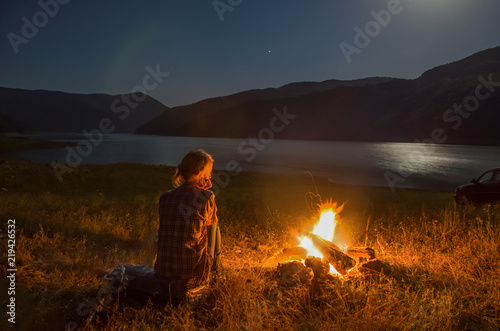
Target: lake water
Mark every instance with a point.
(402, 165)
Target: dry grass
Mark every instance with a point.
(14, 144)
(445, 259)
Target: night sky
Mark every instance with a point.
(214, 48)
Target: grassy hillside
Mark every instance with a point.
(70, 233)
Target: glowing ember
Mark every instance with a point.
(325, 228)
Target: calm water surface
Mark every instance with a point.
(409, 165)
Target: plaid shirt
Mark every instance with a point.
(182, 258)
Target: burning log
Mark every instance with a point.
(295, 251)
(332, 253)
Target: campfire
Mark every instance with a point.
(317, 256)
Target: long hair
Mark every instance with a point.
(191, 167)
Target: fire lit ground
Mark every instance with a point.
(324, 228)
(445, 259)
(312, 244)
(318, 254)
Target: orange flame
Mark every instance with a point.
(325, 228)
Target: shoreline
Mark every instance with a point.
(11, 144)
(23, 134)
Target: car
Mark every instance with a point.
(482, 190)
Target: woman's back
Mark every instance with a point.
(185, 212)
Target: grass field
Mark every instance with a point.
(446, 258)
(11, 144)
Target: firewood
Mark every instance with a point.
(375, 267)
(295, 251)
(319, 268)
(359, 252)
(294, 273)
(332, 253)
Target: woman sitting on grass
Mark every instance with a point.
(188, 235)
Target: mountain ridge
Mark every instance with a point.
(405, 110)
(368, 109)
(56, 111)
